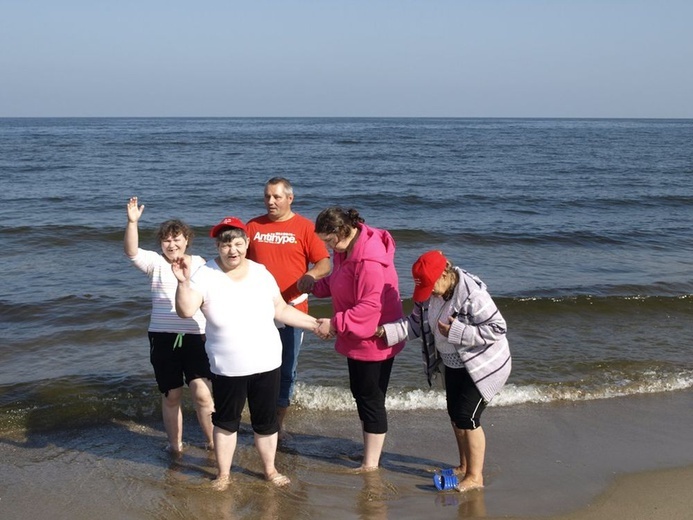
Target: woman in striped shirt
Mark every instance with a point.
(176, 345)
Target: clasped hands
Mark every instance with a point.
(324, 329)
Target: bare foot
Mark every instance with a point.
(468, 484)
(279, 480)
(174, 449)
(221, 483)
(364, 469)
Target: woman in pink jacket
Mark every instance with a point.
(364, 288)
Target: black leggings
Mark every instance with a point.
(368, 381)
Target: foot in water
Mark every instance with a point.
(469, 484)
(279, 480)
(364, 469)
(174, 449)
(221, 483)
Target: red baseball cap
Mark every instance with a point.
(228, 222)
(426, 271)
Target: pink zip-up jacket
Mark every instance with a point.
(365, 293)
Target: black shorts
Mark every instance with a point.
(465, 403)
(368, 381)
(261, 391)
(174, 367)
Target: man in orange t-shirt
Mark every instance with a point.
(286, 244)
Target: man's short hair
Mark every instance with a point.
(288, 188)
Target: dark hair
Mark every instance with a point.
(288, 188)
(229, 234)
(173, 228)
(338, 221)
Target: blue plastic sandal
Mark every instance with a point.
(443, 482)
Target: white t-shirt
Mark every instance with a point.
(241, 337)
(163, 287)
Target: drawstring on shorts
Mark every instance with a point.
(179, 341)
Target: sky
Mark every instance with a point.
(350, 58)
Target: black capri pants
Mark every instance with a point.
(260, 390)
(368, 381)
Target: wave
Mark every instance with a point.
(75, 402)
(626, 299)
(66, 235)
(72, 310)
(68, 402)
(337, 399)
(76, 310)
(552, 238)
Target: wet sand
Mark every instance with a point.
(655, 495)
(609, 459)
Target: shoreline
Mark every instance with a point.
(592, 460)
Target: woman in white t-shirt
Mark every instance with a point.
(176, 345)
(240, 300)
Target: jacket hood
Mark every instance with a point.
(375, 245)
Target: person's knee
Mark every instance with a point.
(173, 397)
(375, 423)
(230, 426)
(465, 414)
(269, 428)
(466, 423)
(376, 428)
(201, 394)
(203, 402)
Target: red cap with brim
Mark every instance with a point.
(426, 271)
(228, 222)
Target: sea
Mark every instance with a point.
(581, 229)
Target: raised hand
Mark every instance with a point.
(134, 211)
(181, 269)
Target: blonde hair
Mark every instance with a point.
(450, 273)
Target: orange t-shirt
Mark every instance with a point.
(286, 249)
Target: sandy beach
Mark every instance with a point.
(654, 495)
(626, 458)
